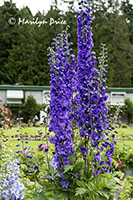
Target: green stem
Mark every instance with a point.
(85, 169)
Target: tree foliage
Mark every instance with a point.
(129, 109)
(31, 107)
(23, 49)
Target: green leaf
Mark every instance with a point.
(44, 183)
(63, 196)
(109, 183)
(72, 159)
(90, 186)
(52, 198)
(49, 194)
(104, 194)
(80, 183)
(80, 191)
(29, 186)
(41, 195)
(68, 167)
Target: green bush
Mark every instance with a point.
(24, 125)
(37, 125)
(127, 189)
(31, 107)
(30, 124)
(124, 126)
(129, 109)
(124, 156)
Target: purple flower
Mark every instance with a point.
(102, 163)
(108, 153)
(116, 131)
(98, 172)
(19, 163)
(65, 183)
(36, 167)
(83, 150)
(39, 145)
(109, 161)
(76, 175)
(46, 150)
(97, 156)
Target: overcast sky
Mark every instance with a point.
(36, 5)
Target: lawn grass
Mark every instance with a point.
(35, 131)
(125, 132)
(33, 143)
(30, 130)
(122, 142)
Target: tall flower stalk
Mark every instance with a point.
(91, 97)
(62, 87)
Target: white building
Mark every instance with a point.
(16, 95)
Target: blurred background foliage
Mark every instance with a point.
(23, 48)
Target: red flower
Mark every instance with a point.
(119, 165)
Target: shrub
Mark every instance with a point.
(129, 109)
(124, 126)
(24, 125)
(127, 189)
(37, 125)
(31, 107)
(123, 155)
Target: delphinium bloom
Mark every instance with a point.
(91, 97)
(86, 71)
(62, 87)
(11, 188)
(109, 131)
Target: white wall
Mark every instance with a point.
(2, 97)
(38, 95)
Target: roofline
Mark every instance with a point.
(128, 90)
(24, 87)
(47, 88)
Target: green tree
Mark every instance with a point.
(129, 109)
(110, 27)
(127, 8)
(120, 52)
(43, 36)
(23, 50)
(8, 36)
(21, 59)
(31, 108)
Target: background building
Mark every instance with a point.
(14, 96)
